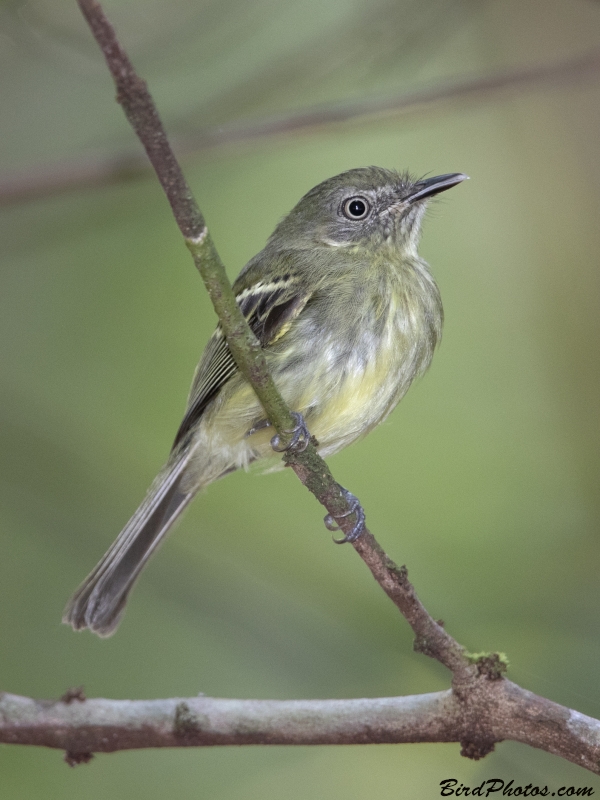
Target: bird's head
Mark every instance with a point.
(364, 207)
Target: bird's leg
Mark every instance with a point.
(300, 436)
(357, 510)
(261, 425)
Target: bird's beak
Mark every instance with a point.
(431, 186)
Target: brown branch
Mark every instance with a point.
(137, 103)
(497, 710)
(482, 708)
(94, 171)
(134, 97)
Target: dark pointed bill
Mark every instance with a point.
(431, 186)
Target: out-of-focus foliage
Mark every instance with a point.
(484, 481)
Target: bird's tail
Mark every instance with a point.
(100, 600)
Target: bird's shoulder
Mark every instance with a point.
(271, 291)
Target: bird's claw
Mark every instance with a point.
(300, 437)
(357, 510)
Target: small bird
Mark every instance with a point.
(348, 315)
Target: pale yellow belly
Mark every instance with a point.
(342, 391)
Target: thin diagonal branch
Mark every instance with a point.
(134, 97)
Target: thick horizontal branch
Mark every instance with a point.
(498, 710)
(94, 171)
(99, 725)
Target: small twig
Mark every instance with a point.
(455, 90)
(94, 171)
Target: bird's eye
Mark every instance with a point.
(356, 208)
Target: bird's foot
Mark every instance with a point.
(357, 510)
(300, 437)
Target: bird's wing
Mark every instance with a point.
(270, 308)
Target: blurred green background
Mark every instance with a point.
(484, 481)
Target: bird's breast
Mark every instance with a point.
(350, 359)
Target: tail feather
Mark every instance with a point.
(100, 600)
